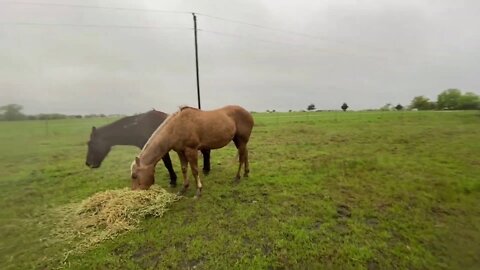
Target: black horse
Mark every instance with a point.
(131, 130)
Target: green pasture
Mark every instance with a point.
(327, 190)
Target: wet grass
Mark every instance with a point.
(358, 190)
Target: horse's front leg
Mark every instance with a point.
(184, 164)
(168, 164)
(192, 157)
(206, 161)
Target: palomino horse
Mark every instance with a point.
(187, 131)
(131, 130)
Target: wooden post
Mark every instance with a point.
(196, 59)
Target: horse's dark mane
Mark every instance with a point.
(130, 121)
(121, 122)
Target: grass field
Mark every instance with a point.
(355, 190)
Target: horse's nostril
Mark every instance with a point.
(86, 163)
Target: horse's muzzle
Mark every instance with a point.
(91, 166)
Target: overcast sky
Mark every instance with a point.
(365, 53)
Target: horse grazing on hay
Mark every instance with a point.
(132, 130)
(187, 131)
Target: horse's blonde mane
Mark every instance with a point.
(180, 108)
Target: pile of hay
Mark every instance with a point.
(108, 214)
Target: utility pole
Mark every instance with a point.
(196, 58)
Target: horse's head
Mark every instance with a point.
(97, 150)
(143, 176)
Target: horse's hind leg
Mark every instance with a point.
(192, 157)
(184, 164)
(168, 164)
(246, 163)
(242, 158)
(206, 161)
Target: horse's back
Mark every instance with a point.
(222, 118)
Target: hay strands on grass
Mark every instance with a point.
(107, 214)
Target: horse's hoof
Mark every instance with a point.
(198, 194)
(205, 172)
(173, 185)
(181, 192)
(236, 179)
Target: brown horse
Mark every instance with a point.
(187, 131)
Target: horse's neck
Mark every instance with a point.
(157, 147)
(115, 137)
(126, 134)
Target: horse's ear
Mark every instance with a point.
(137, 161)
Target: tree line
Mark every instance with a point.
(450, 99)
(13, 112)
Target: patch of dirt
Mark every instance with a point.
(343, 211)
(316, 225)
(372, 265)
(440, 211)
(142, 252)
(146, 257)
(371, 221)
(266, 249)
(342, 228)
(121, 249)
(192, 264)
(384, 206)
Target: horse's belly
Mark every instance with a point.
(215, 139)
(215, 144)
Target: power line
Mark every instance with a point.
(310, 36)
(306, 35)
(261, 26)
(96, 7)
(95, 25)
(293, 32)
(241, 36)
(287, 44)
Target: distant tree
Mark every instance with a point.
(12, 112)
(386, 107)
(422, 103)
(311, 107)
(469, 101)
(449, 99)
(399, 107)
(344, 107)
(289, 110)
